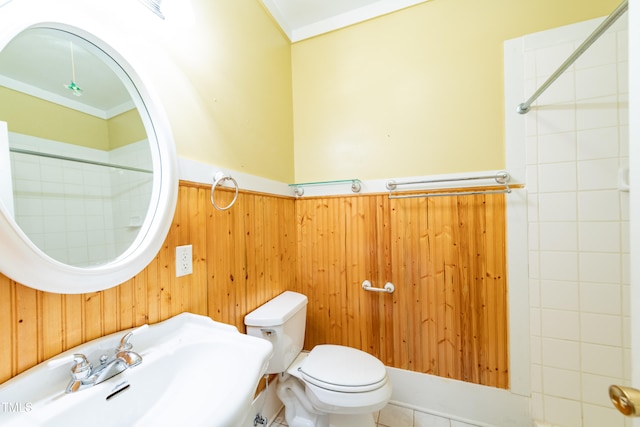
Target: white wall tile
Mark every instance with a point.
(530, 119)
(600, 143)
(599, 236)
(599, 416)
(600, 267)
(560, 324)
(623, 132)
(562, 90)
(598, 174)
(556, 177)
(560, 295)
(560, 118)
(623, 77)
(601, 360)
(596, 113)
(563, 412)
(596, 81)
(599, 205)
(559, 266)
(603, 298)
(561, 383)
(557, 147)
(531, 150)
(549, 58)
(623, 109)
(595, 389)
(602, 51)
(578, 244)
(561, 354)
(557, 207)
(558, 236)
(605, 329)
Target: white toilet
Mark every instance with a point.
(330, 386)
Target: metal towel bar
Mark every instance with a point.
(501, 178)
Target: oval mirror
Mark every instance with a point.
(89, 186)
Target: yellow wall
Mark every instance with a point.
(33, 116)
(226, 87)
(416, 92)
(125, 128)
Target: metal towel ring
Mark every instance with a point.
(218, 179)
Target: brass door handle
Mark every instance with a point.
(625, 399)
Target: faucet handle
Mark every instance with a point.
(81, 367)
(124, 342)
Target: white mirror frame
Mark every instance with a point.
(20, 259)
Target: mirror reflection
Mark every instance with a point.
(80, 160)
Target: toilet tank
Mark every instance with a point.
(282, 321)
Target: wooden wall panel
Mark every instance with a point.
(445, 255)
(241, 258)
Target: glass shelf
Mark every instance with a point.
(298, 188)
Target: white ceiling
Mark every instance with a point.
(38, 62)
(302, 19)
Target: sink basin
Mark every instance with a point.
(194, 372)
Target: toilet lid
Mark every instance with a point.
(341, 368)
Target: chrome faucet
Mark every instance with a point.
(84, 375)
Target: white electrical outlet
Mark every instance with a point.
(184, 263)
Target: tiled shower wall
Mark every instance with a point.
(576, 159)
(79, 213)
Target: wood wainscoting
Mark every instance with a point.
(445, 255)
(241, 258)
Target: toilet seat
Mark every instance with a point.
(343, 369)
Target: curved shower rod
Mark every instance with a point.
(622, 8)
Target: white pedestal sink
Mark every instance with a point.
(194, 372)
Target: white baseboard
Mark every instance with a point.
(458, 400)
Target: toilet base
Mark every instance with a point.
(299, 412)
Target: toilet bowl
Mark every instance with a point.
(329, 386)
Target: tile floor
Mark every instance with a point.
(397, 416)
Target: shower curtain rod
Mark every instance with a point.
(73, 159)
(622, 8)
